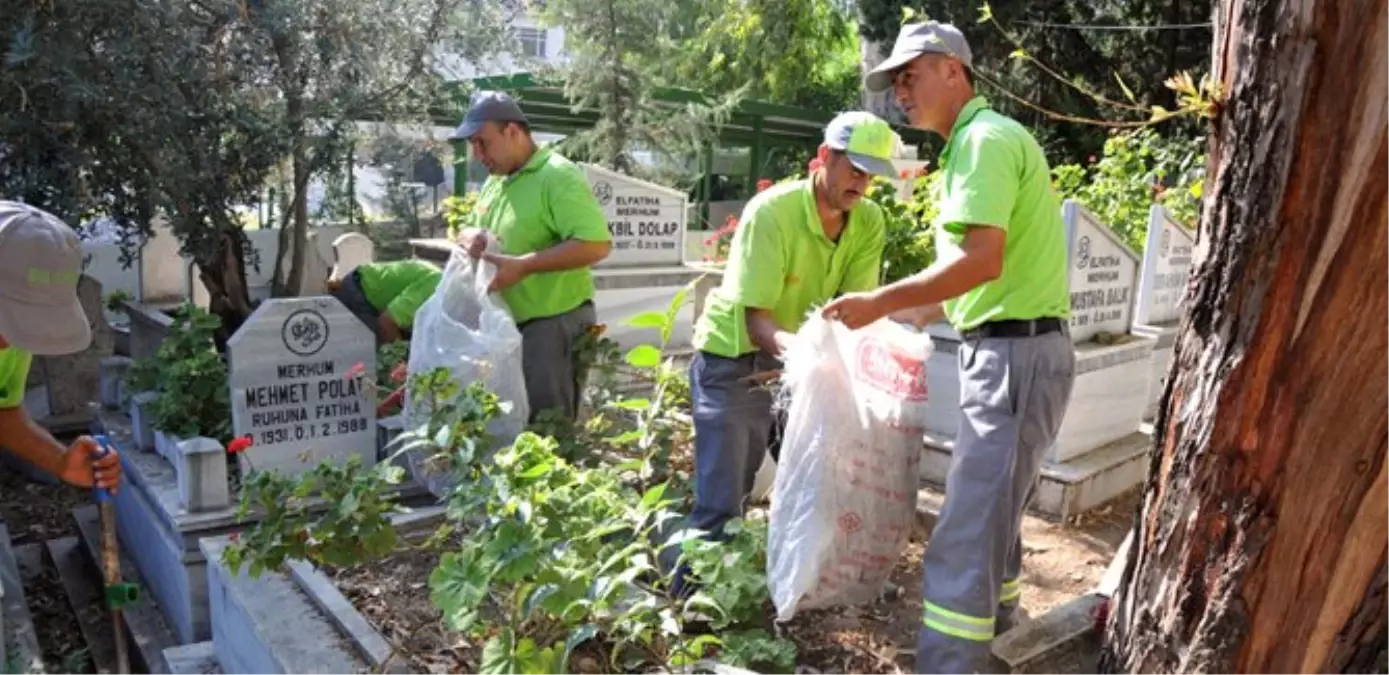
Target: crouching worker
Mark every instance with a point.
(551, 230)
(799, 244)
(40, 261)
(386, 295)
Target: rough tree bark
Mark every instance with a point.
(1261, 540)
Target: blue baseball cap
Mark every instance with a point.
(488, 106)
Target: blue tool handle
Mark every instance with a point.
(104, 443)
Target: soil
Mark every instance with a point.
(1061, 561)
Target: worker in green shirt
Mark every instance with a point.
(1001, 274)
(539, 212)
(798, 245)
(40, 261)
(386, 295)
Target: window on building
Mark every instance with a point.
(531, 42)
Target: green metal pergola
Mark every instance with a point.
(760, 126)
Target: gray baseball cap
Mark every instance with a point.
(914, 40)
(40, 262)
(488, 106)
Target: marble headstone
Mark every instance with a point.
(1103, 272)
(1166, 268)
(352, 250)
(300, 370)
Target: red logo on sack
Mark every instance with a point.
(890, 370)
(850, 523)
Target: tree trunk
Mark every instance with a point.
(225, 280)
(1261, 542)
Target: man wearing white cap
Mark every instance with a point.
(40, 261)
(1001, 276)
(797, 245)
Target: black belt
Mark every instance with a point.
(1014, 328)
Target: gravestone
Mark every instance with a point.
(1161, 291)
(647, 221)
(1103, 271)
(351, 250)
(299, 371)
(73, 380)
(1166, 269)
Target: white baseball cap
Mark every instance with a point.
(40, 262)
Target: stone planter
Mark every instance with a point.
(141, 421)
(166, 446)
(111, 385)
(202, 475)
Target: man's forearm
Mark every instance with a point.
(567, 255)
(920, 316)
(935, 284)
(763, 331)
(29, 441)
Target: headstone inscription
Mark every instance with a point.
(1166, 269)
(1103, 271)
(300, 371)
(647, 221)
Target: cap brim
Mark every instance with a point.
(466, 130)
(873, 165)
(45, 330)
(880, 78)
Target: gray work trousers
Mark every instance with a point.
(1013, 395)
(552, 369)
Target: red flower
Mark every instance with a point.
(1092, 159)
(921, 172)
(239, 444)
(904, 173)
(354, 371)
(764, 184)
(399, 372)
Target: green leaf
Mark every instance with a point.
(635, 404)
(499, 654)
(653, 496)
(537, 596)
(644, 356)
(577, 637)
(986, 13)
(647, 320)
(1019, 53)
(1160, 113)
(1196, 190)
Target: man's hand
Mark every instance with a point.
(510, 270)
(82, 467)
(473, 241)
(855, 310)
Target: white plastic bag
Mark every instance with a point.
(463, 328)
(845, 494)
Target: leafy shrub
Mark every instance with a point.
(189, 377)
(1138, 169)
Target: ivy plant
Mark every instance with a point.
(189, 377)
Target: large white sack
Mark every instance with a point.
(844, 498)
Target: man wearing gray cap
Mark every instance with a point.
(550, 229)
(1001, 276)
(40, 261)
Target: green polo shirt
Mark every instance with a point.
(781, 261)
(14, 376)
(995, 174)
(399, 288)
(545, 203)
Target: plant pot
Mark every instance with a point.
(201, 465)
(141, 421)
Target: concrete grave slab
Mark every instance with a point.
(299, 370)
(1167, 262)
(268, 625)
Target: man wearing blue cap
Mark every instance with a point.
(1001, 274)
(541, 210)
(798, 244)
